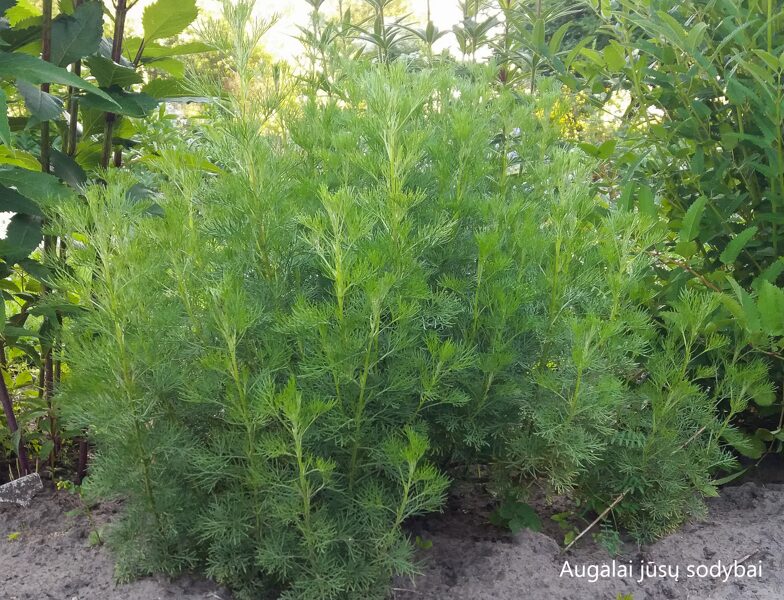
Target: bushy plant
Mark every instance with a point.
(54, 139)
(700, 145)
(704, 81)
(292, 318)
(284, 350)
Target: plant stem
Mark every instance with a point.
(69, 147)
(81, 468)
(770, 26)
(73, 107)
(362, 400)
(46, 55)
(117, 40)
(8, 408)
(383, 55)
(73, 114)
(49, 241)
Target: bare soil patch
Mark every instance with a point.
(471, 560)
(46, 553)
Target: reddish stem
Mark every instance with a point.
(81, 469)
(8, 408)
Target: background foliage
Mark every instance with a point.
(701, 146)
(71, 98)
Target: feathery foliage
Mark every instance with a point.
(282, 354)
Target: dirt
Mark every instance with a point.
(471, 560)
(46, 552)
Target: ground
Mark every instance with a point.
(46, 552)
(469, 561)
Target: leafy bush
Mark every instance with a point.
(278, 351)
(332, 302)
(251, 368)
(706, 96)
(54, 139)
(701, 145)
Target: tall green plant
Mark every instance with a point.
(701, 145)
(474, 31)
(530, 41)
(386, 36)
(283, 347)
(57, 129)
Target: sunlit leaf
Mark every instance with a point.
(36, 71)
(165, 19)
(22, 237)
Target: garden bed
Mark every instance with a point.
(53, 556)
(469, 560)
(48, 552)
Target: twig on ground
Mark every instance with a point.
(596, 520)
(740, 561)
(394, 589)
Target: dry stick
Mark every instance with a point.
(407, 591)
(596, 520)
(690, 440)
(742, 560)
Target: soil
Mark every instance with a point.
(471, 560)
(46, 553)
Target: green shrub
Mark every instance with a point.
(701, 145)
(704, 124)
(264, 331)
(285, 348)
